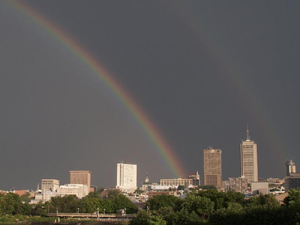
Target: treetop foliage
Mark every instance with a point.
(213, 207)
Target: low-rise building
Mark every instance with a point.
(21, 192)
(237, 184)
(80, 190)
(38, 197)
(275, 181)
(260, 188)
(292, 181)
(50, 185)
(196, 179)
(47, 195)
(177, 182)
(153, 193)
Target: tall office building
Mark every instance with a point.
(126, 177)
(290, 167)
(80, 177)
(248, 154)
(213, 167)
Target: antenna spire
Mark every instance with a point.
(248, 137)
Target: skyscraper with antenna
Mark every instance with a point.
(248, 157)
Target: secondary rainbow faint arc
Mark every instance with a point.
(233, 74)
(124, 97)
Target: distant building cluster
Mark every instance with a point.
(80, 186)
(248, 168)
(247, 183)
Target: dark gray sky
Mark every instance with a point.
(201, 70)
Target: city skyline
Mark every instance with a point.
(80, 181)
(190, 75)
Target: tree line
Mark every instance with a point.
(203, 207)
(213, 207)
(13, 204)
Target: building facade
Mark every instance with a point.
(260, 188)
(237, 184)
(290, 167)
(196, 179)
(50, 185)
(80, 190)
(154, 193)
(80, 177)
(47, 195)
(292, 181)
(176, 182)
(248, 158)
(126, 177)
(213, 167)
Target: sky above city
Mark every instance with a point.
(199, 70)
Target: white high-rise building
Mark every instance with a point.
(126, 177)
(248, 154)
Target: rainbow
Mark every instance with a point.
(69, 42)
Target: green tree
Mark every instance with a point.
(161, 201)
(26, 197)
(26, 209)
(183, 217)
(227, 216)
(202, 206)
(218, 198)
(88, 205)
(11, 204)
(122, 202)
(268, 201)
(106, 205)
(39, 210)
(234, 197)
(143, 218)
(93, 195)
(115, 200)
(293, 198)
(66, 204)
(113, 194)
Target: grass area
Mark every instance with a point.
(12, 219)
(21, 219)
